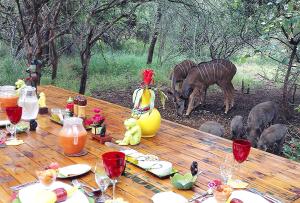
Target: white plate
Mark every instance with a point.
(73, 170)
(3, 123)
(27, 194)
(164, 197)
(245, 196)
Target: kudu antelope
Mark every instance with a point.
(178, 74)
(203, 75)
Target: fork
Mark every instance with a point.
(21, 186)
(76, 183)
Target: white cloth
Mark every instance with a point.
(168, 197)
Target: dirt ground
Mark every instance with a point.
(213, 108)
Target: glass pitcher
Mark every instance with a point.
(72, 137)
(29, 102)
(8, 97)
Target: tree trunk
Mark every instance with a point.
(154, 36)
(54, 60)
(85, 57)
(286, 81)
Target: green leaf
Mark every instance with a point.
(163, 97)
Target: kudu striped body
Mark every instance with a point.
(178, 74)
(201, 76)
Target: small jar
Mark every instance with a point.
(75, 108)
(82, 102)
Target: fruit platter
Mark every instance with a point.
(151, 163)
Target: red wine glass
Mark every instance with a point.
(240, 149)
(114, 164)
(14, 114)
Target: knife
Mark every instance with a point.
(21, 186)
(116, 146)
(264, 195)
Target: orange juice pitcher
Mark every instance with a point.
(72, 137)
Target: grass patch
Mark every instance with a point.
(122, 69)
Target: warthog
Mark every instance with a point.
(261, 116)
(237, 128)
(213, 127)
(200, 77)
(273, 138)
(178, 74)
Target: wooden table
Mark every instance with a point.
(176, 143)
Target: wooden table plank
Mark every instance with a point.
(177, 143)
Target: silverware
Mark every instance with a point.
(264, 195)
(116, 146)
(206, 194)
(21, 186)
(91, 191)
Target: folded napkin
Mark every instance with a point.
(237, 184)
(14, 142)
(164, 197)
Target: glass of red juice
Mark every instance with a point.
(114, 164)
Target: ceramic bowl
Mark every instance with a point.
(183, 182)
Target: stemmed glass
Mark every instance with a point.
(102, 180)
(14, 114)
(240, 149)
(114, 164)
(226, 168)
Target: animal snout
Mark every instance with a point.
(180, 107)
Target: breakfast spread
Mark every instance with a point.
(55, 196)
(47, 177)
(222, 193)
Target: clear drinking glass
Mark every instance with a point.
(226, 168)
(102, 181)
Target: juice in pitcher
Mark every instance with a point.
(72, 137)
(8, 97)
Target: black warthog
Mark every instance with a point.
(213, 127)
(261, 116)
(237, 128)
(273, 138)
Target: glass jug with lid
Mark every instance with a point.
(8, 97)
(29, 102)
(72, 137)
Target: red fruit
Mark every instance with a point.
(220, 188)
(61, 194)
(53, 165)
(235, 200)
(217, 182)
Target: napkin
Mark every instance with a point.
(164, 197)
(14, 142)
(237, 184)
